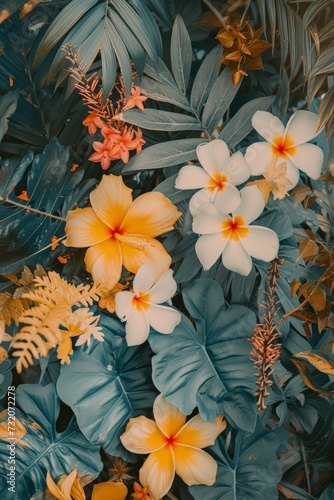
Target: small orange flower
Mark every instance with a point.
(54, 242)
(23, 196)
(93, 122)
(136, 99)
(140, 493)
(105, 152)
(11, 81)
(74, 167)
(63, 260)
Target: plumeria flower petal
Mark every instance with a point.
(217, 179)
(232, 236)
(175, 447)
(288, 143)
(119, 231)
(141, 310)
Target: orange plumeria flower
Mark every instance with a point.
(120, 231)
(136, 99)
(140, 493)
(174, 447)
(93, 122)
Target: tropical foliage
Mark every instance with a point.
(167, 263)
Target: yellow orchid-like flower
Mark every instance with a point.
(174, 447)
(120, 231)
(70, 488)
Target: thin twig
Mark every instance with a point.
(30, 209)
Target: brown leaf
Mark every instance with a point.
(294, 286)
(28, 7)
(234, 56)
(319, 360)
(264, 186)
(258, 46)
(317, 299)
(299, 193)
(305, 374)
(307, 250)
(254, 63)
(226, 38)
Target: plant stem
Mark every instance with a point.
(216, 13)
(26, 207)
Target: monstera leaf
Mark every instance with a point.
(210, 366)
(42, 448)
(252, 473)
(107, 386)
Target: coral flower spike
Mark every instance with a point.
(119, 231)
(234, 237)
(289, 144)
(174, 447)
(141, 308)
(217, 179)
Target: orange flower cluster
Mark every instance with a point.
(243, 48)
(119, 139)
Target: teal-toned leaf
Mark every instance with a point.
(164, 92)
(161, 9)
(252, 473)
(325, 62)
(205, 78)
(11, 172)
(67, 18)
(181, 54)
(108, 386)
(154, 119)
(43, 448)
(6, 376)
(164, 155)
(219, 100)
(211, 366)
(240, 125)
(149, 25)
(8, 104)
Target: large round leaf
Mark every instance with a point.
(108, 385)
(210, 366)
(253, 472)
(42, 447)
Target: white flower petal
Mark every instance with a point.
(309, 158)
(237, 169)
(258, 155)
(144, 279)
(301, 127)
(228, 199)
(191, 177)
(137, 328)
(124, 306)
(267, 125)
(261, 243)
(164, 289)
(251, 205)
(213, 155)
(209, 247)
(200, 198)
(292, 173)
(208, 220)
(162, 318)
(235, 258)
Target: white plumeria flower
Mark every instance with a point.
(217, 179)
(233, 237)
(288, 143)
(140, 308)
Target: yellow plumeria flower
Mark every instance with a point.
(141, 308)
(120, 231)
(174, 447)
(289, 144)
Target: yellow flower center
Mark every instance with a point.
(217, 181)
(234, 228)
(282, 146)
(141, 300)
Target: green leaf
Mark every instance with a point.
(163, 155)
(211, 366)
(205, 78)
(8, 104)
(252, 473)
(44, 448)
(219, 100)
(240, 125)
(107, 386)
(181, 54)
(154, 119)
(12, 171)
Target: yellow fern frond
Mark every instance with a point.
(26, 281)
(87, 322)
(40, 333)
(64, 350)
(76, 295)
(11, 308)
